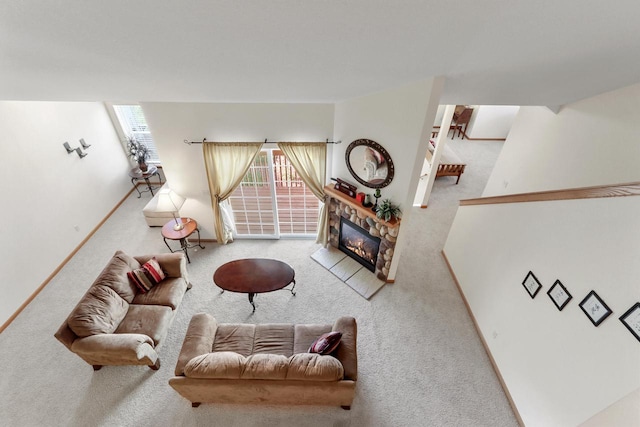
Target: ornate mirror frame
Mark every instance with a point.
(384, 161)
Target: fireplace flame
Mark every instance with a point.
(357, 247)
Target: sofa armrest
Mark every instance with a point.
(347, 352)
(198, 340)
(173, 264)
(65, 335)
(116, 348)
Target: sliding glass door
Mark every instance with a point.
(272, 201)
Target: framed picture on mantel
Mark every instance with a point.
(531, 284)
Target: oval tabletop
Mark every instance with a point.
(253, 275)
(169, 232)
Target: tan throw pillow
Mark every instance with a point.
(147, 276)
(99, 312)
(221, 364)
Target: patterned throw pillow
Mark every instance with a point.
(146, 277)
(326, 343)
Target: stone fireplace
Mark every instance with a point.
(343, 206)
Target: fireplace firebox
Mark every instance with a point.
(358, 244)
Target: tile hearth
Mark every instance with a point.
(349, 271)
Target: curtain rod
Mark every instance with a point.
(265, 141)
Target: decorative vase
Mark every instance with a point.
(143, 166)
(377, 196)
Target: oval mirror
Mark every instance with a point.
(369, 163)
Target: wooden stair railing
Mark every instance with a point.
(617, 190)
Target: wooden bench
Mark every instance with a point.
(450, 163)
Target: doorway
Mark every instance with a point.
(272, 201)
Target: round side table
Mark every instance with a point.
(189, 226)
(136, 174)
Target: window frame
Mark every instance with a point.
(124, 130)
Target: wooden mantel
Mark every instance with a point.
(330, 191)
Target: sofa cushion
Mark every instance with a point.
(265, 367)
(222, 364)
(114, 275)
(305, 335)
(315, 367)
(274, 339)
(147, 276)
(326, 343)
(150, 320)
(231, 365)
(99, 312)
(169, 292)
(234, 337)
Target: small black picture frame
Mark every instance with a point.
(531, 284)
(559, 295)
(595, 309)
(631, 319)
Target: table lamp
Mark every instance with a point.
(168, 201)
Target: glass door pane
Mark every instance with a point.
(252, 202)
(297, 207)
(272, 200)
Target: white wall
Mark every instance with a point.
(559, 368)
(487, 121)
(491, 121)
(400, 120)
(47, 193)
(183, 165)
(590, 142)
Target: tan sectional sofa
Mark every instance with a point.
(269, 363)
(114, 324)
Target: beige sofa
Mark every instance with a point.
(245, 363)
(114, 324)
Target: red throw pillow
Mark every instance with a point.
(326, 343)
(146, 277)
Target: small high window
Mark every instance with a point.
(133, 123)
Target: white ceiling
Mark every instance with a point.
(537, 52)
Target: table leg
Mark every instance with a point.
(133, 182)
(165, 242)
(199, 243)
(185, 247)
(251, 295)
(292, 288)
(149, 186)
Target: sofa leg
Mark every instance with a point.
(96, 367)
(189, 286)
(156, 365)
(346, 408)
(195, 404)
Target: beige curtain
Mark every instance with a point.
(310, 161)
(226, 165)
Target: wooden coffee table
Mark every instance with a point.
(253, 276)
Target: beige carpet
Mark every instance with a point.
(421, 362)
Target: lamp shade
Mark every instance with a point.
(169, 201)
